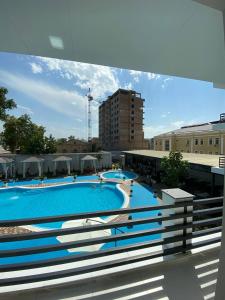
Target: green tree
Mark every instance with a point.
(27, 137)
(5, 104)
(174, 169)
(71, 138)
(61, 140)
(50, 144)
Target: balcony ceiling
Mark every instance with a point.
(181, 38)
(217, 4)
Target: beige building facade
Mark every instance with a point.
(121, 121)
(206, 138)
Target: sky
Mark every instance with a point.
(53, 92)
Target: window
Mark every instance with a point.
(188, 142)
(201, 142)
(167, 145)
(196, 152)
(132, 105)
(210, 143)
(217, 141)
(196, 141)
(132, 137)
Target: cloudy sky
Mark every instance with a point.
(53, 92)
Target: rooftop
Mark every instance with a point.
(200, 159)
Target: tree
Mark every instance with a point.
(61, 141)
(5, 104)
(174, 169)
(27, 137)
(50, 144)
(71, 138)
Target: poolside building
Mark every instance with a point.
(121, 121)
(205, 138)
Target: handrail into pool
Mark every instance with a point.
(206, 221)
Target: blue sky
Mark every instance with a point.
(53, 92)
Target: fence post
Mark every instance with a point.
(173, 196)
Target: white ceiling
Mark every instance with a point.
(182, 38)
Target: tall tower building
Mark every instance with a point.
(121, 121)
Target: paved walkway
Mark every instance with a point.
(191, 277)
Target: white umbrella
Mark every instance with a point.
(84, 235)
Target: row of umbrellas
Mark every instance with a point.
(7, 163)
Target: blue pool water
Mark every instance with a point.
(75, 198)
(49, 180)
(119, 175)
(142, 196)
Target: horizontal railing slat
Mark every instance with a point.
(93, 241)
(101, 253)
(81, 229)
(101, 266)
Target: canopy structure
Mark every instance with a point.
(65, 159)
(32, 159)
(90, 159)
(84, 235)
(6, 164)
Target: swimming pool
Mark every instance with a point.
(119, 174)
(49, 203)
(20, 202)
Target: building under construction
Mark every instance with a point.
(121, 121)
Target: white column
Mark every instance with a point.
(220, 286)
(173, 196)
(11, 169)
(68, 166)
(192, 145)
(221, 144)
(54, 171)
(39, 168)
(5, 168)
(24, 169)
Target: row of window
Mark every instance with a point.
(211, 141)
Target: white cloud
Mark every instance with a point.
(135, 75)
(165, 114)
(51, 96)
(153, 76)
(151, 131)
(165, 82)
(26, 109)
(178, 124)
(127, 86)
(101, 79)
(36, 68)
(66, 102)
